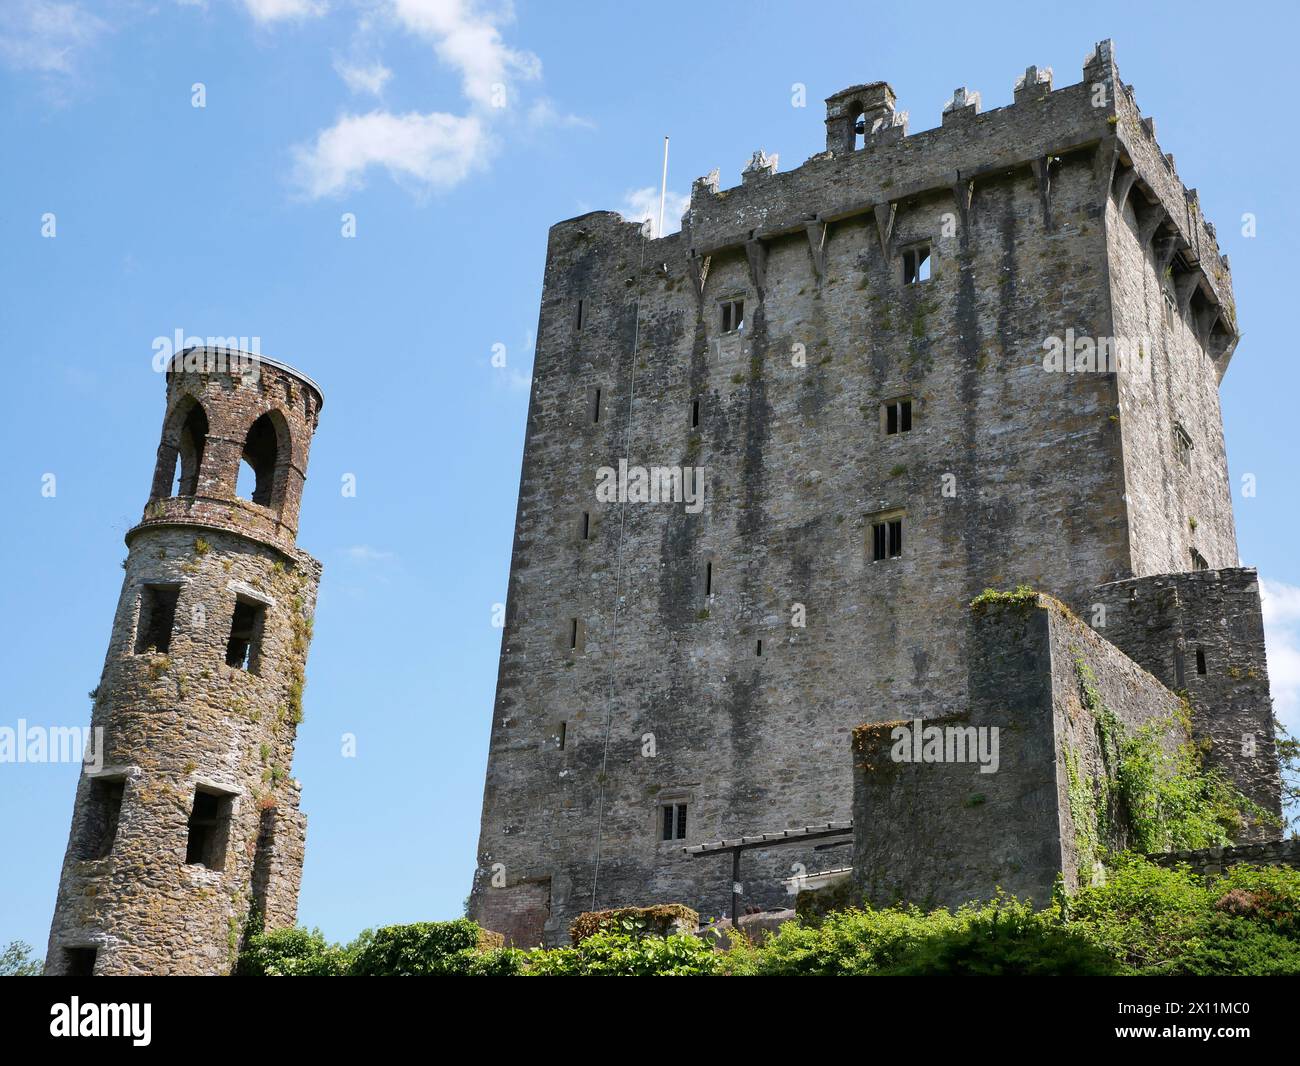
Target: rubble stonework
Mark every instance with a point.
(182, 720)
(654, 657)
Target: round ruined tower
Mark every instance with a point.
(186, 822)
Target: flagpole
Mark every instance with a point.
(663, 191)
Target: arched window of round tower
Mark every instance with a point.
(265, 456)
(180, 456)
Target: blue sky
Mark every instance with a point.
(226, 220)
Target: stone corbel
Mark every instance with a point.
(699, 273)
(1184, 285)
(885, 214)
(1150, 217)
(1206, 320)
(816, 230)
(963, 192)
(1043, 172)
(1166, 249)
(756, 253)
(1122, 187)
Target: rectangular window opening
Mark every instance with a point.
(898, 416)
(1182, 445)
(1198, 561)
(575, 634)
(579, 315)
(758, 649)
(695, 414)
(79, 962)
(104, 808)
(1171, 309)
(563, 735)
(1200, 661)
(585, 525)
(733, 316)
(595, 406)
(916, 264)
(244, 648)
(886, 539)
(708, 579)
(674, 821)
(208, 829)
(157, 618)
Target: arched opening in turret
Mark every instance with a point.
(261, 467)
(180, 455)
(858, 124)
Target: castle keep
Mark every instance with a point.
(914, 367)
(191, 825)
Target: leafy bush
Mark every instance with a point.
(1003, 937)
(661, 920)
(291, 953)
(422, 949)
(624, 954)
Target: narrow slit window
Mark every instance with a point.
(916, 264)
(244, 648)
(576, 634)
(562, 735)
(579, 315)
(758, 649)
(898, 416)
(104, 808)
(708, 579)
(157, 618)
(1200, 661)
(695, 414)
(585, 525)
(595, 406)
(1182, 445)
(1171, 309)
(733, 316)
(674, 821)
(208, 829)
(886, 539)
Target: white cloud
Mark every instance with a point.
(544, 113)
(641, 205)
(469, 39)
(363, 79)
(280, 10)
(1282, 637)
(46, 35)
(436, 150)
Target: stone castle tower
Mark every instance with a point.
(916, 366)
(191, 824)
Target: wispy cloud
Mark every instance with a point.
(1282, 637)
(642, 205)
(370, 78)
(468, 38)
(46, 36)
(265, 11)
(436, 150)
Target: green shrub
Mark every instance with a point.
(291, 953)
(621, 954)
(421, 949)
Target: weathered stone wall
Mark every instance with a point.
(1010, 474)
(1177, 624)
(1210, 862)
(180, 720)
(941, 833)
